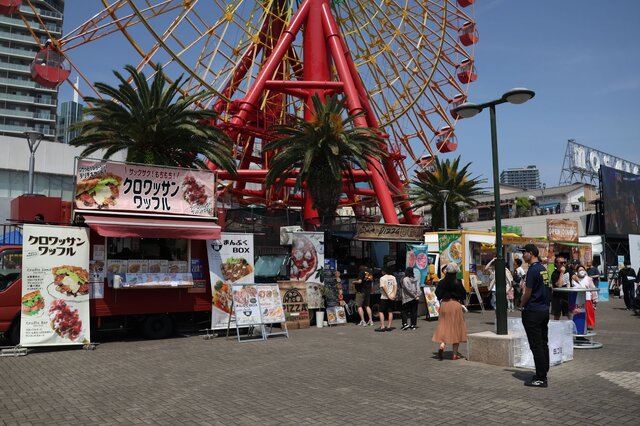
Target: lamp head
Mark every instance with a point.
(467, 110)
(33, 136)
(519, 95)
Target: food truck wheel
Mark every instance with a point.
(157, 326)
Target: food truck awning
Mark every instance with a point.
(136, 226)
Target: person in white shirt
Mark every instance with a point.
(490, 268)
(582, 280)
(388, 290)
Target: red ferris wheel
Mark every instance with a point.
(406, 64)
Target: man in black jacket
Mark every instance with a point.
(627, 277)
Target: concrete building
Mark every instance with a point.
(575, 201)
(24, 104)
(54, 170)
(524, 177)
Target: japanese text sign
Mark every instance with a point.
(131, 187)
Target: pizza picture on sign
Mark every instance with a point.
(304, 258)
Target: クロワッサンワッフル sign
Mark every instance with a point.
(102, 185)
(55, 286)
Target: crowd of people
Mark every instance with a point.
(529, 291)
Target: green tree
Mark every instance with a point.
(154, 123)
(523, 205)
(446, 175)
(318, 153)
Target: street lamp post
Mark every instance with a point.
(467, 110)
(33, 139)
(544, 186)
(444, 193)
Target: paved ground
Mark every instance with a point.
(340, 375)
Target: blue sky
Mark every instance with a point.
(580, 57)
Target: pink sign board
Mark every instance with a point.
(102, 185)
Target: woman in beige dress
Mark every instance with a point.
(451, 329)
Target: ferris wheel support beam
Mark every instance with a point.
(390, 170)
(335, 42)
(250, 101)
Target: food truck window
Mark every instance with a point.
(148, 248)
(10, 267)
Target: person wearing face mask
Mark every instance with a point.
(582, 280)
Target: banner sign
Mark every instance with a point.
(634, 250)
(562, 230)
(418, 260)
(102, 185)
(55, 286)
(230, 262)
(369, 231)
(307, 264)
(450, 246)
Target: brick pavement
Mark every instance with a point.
(341, 375)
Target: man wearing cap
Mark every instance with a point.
(535, 315)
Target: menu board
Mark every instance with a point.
(230, 262)
(116, 266)
(55, 286)
(433, 305)
(137, 266)
(336, 315)
(270, 304)
(175, 266)
(158, 265)
(245, 304)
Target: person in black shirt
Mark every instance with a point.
(535, 315)
(561, 277)
(363, 294)
(627, 277)
(451, 327)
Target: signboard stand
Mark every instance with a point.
(269, 333)
(474, 284)
(13, 351)
(251, 328)
(257, 305)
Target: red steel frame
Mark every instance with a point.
(323, 46)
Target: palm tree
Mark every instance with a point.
(154, 129)
(319, 152)
(446, 175)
